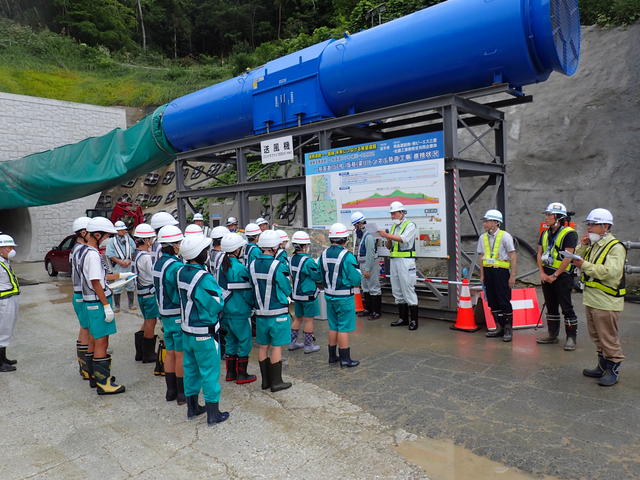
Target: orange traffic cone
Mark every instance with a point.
(357, 298)
(465, 321)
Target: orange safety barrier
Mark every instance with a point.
(465, 321)
(526, 310)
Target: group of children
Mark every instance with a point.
(210, 292)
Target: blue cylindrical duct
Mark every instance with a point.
(454, 46)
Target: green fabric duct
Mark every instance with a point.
(90, 166)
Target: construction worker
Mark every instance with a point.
(165, 272)
(402, 245)
(340, 274)
(602, 265)
(305, 276)
(556, 274)
(193, 229)
(281, 253)
(371, 292)
(119, 250)
(96, 297)
(198, 219)
(216, 254)
(145, 338)
(84, 343)
(498, 272)
(159, 220)
(239, 301)
(200, 303)
(272, 290)
(262, 223)
(232, 224)
(252, 231)
(9, 291)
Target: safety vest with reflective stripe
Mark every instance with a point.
(283, 258)
(620, 290)
(14, 289)
(554, 249)
(78, 250)
(332, 264)
(263, 278)
(88, 293)
(296, 264)
(490, 258)
(194, 282)
(165, 284)
(251, 252)
(142, 288)
(237, 290)
(396, 252)
(215, 260)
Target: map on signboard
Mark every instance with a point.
(323, 205)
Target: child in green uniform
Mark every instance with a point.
(272, 290)
(251, 251)
(281, 253)
(340, 274)
(200, 303)
(305, 276)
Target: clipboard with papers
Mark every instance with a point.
(569, 255)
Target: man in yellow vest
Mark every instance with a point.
(556, 274)
(9, 291)
(401, 243)
(498, 272)
(602, 264)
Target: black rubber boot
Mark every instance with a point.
(132, 301)
(81, 351)
(162, 351)
(4, 366)
(214, 415)
(172, 386)
(149, 349)
(611, 374)
(193, 407)
(180, 398)
(264, 373)
(366, 303)
(508, 327)
(572, 333)
(92, 379)
(243, 376)
(413, 323)
(499, 319)
(345, 358)
(553, 328)
(333, 356)
(403, 310)
(275, 374)
(599, 370)
(138, 343)
(376, 307)
(232, 369)
(106, 384)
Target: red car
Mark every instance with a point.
(57, 259)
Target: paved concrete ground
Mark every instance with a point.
(522, 405)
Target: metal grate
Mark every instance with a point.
(565, 24)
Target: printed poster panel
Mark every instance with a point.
(370, 176)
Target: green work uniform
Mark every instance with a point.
(340, 274)
(239, 301)
(305, 275)
(165, 272)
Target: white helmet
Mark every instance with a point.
(231, 242)
(338, 230)
(396, 207)
(193, 229)
(556, 208)
(80, 223)
(283, 236)
(7, 241)
(170, 234)
(198, 216)
(301, 238)
(493, 214)
(101, 224)
(160, 219)
(119, 225)
(357, 217)
(269, 239)
(144, 230)
(252, 229)
(219, 231)
(191, 246)
(232, 221)
(261, 221)
(599, 215)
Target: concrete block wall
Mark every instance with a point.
(30, 125)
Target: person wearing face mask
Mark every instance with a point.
(602, 266)
(369, 266)
(145, 338)
(96, 296)
(556, 274)
(119, 251)
(216, 254)
(498, 272)
(402, 245)
(232, 224)
(9, 291)
(84, 343)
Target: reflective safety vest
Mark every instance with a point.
(143, 289)
(554, 249)
(250, 254)
(77, 252)
(333, 267)
(194, 321)
(296, 263)
(215, 260)
(167, 305)
(490, 258)
(620, 290)
(263, 278)
(14, 289)
(227, 286)
(396, 252)
(88, 293)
